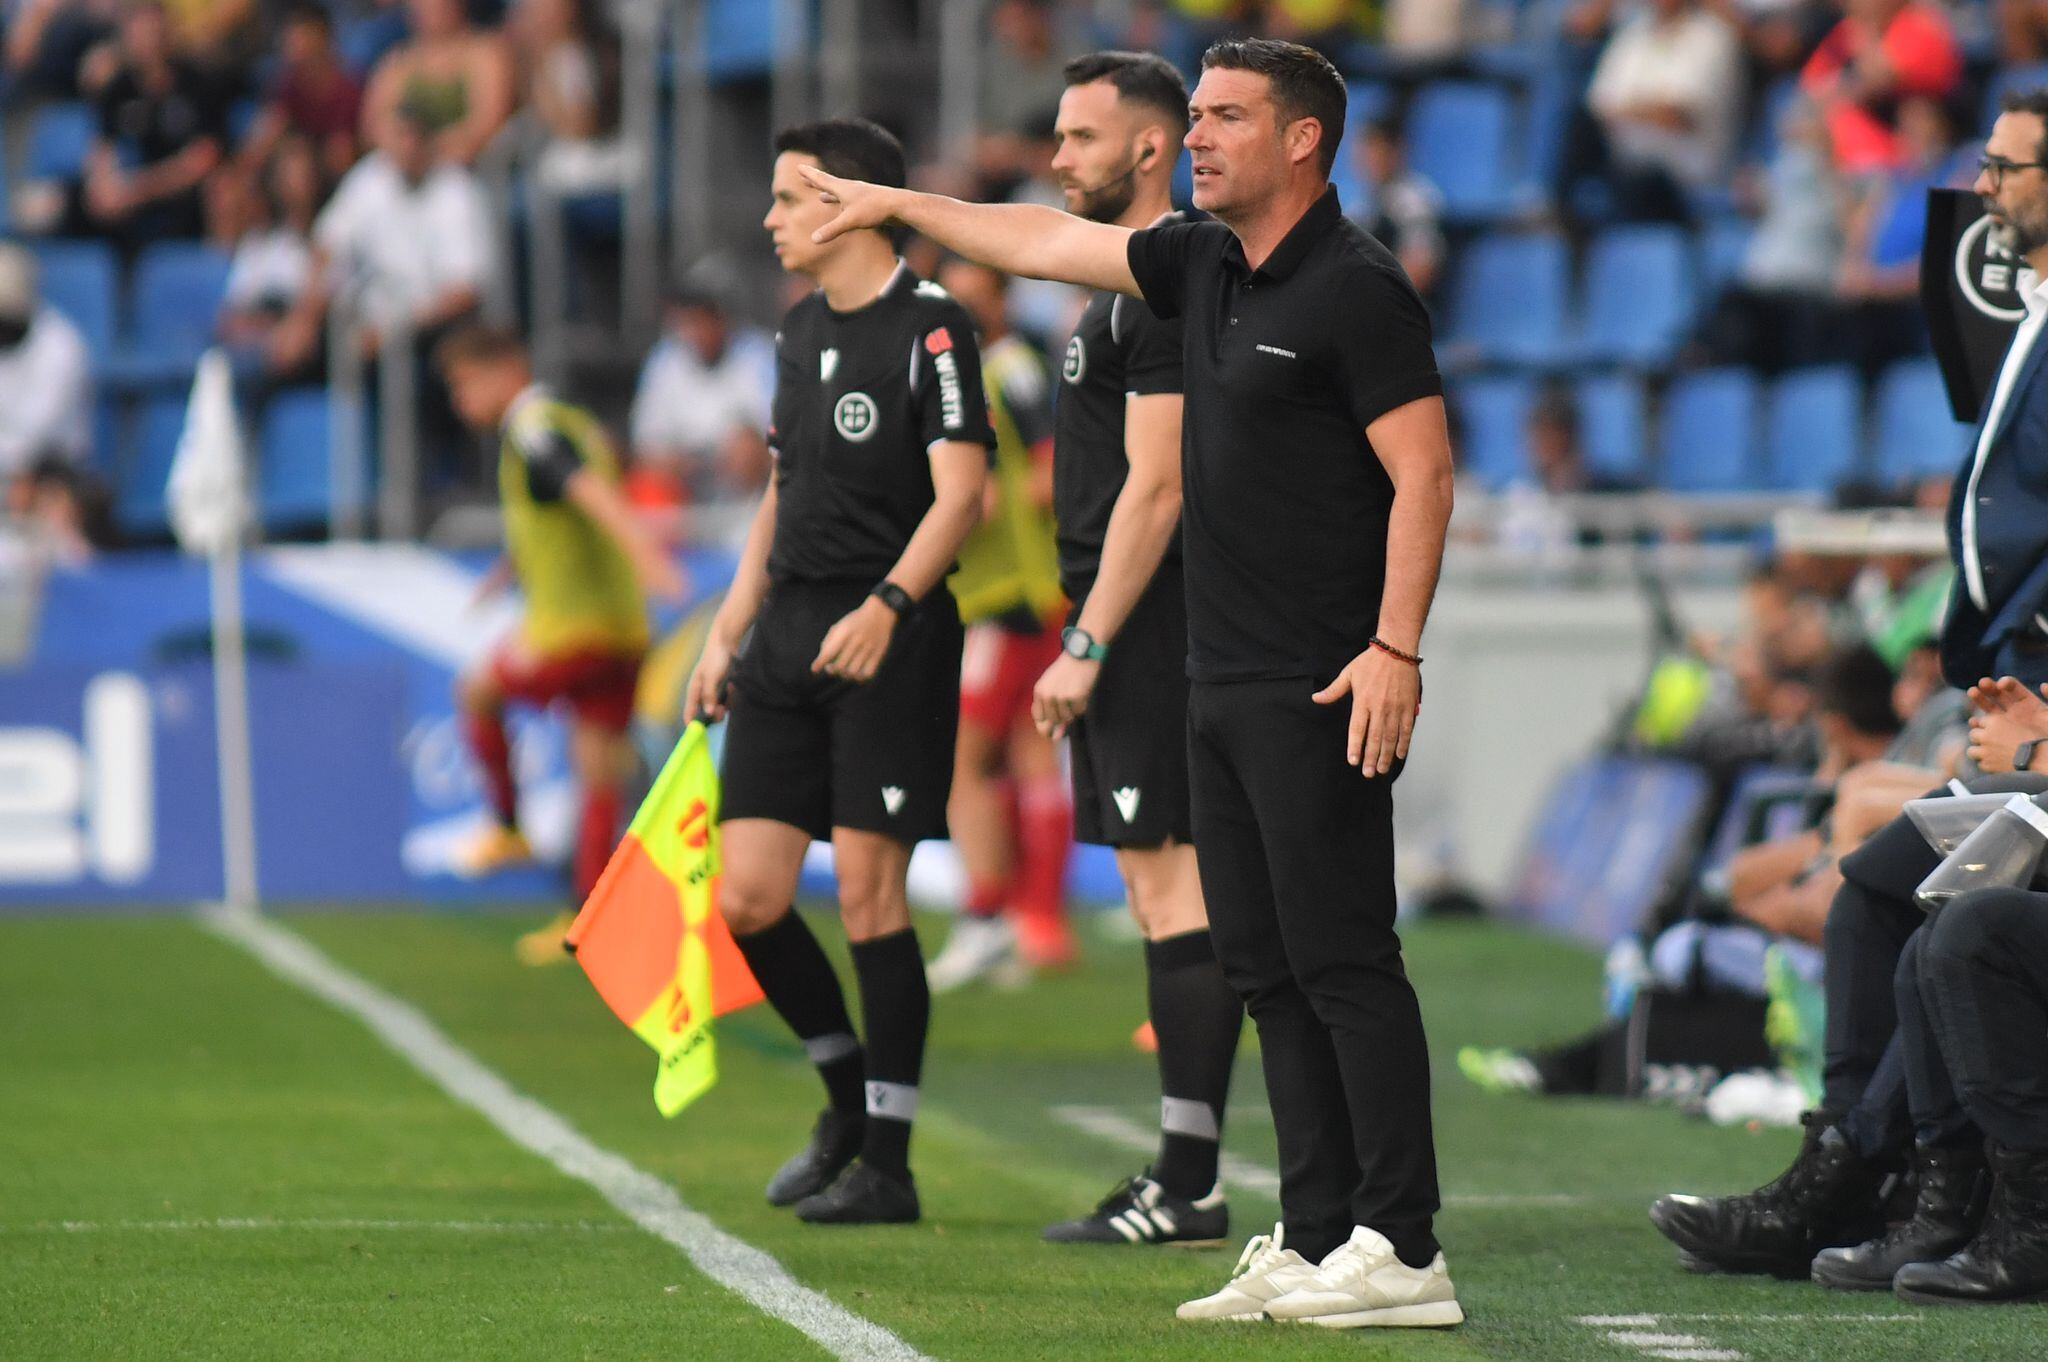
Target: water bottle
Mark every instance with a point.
(1946, 821)
(2004, 852)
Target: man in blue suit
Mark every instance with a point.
(1998, 513)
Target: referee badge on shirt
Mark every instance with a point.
(854, 417)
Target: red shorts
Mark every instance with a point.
(597, 685)
(998, 670)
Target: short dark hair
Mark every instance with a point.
(1142, 78)
(479, 343)
(1305, 85)
(2035, 102)
(1855, 685)
(851, 148)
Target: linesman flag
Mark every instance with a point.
(650, 936)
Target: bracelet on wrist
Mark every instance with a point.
(1412, 659)
(893, 596)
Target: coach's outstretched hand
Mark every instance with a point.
(1386, 699)
(860, 204)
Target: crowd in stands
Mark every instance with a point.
(1624, 211)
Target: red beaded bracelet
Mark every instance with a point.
(1412, 659)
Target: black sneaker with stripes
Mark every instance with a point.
(1140, 1211)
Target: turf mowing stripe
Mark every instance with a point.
(1117, 1129)
(406, 1226)
(643, 1198)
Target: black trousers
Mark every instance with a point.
(1983, 973)
(1886, 1081)
(1296, 851)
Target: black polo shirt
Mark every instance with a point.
(860, 399)
(1284, 530)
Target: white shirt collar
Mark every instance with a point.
(2033, 291)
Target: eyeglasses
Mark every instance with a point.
(1998, 167)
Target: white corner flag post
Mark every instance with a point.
(209, 509)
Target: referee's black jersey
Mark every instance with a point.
(1119, 350)
(1284, 502)
(860, 399)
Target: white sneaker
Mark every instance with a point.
(976, 948)
(1363, 1285)
(1266, 1269)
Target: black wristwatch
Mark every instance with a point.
(2023, 755)
(1079, 643)
(895, 597)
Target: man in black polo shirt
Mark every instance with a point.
(845, 699)
(1317, 487)
(1120, 692)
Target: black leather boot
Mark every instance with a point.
(2008, 1260)
(1952, 1188)
(1831, 1195)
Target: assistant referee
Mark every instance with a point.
(1317, 488)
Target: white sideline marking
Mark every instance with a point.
(1114, 1128)
(1642, 1333)
(265, 1223)
(646, 1200)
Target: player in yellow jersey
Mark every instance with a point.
(1010, 814)
(582, 561)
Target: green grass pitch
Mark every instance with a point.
(198, 1161)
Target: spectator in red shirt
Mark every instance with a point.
(313, 97)
(1883, 52)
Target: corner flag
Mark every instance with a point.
(650, 936)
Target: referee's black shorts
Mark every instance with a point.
(1130, 749)
(819, 752)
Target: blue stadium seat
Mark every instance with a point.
(58, 141)
(363, 41)
(1493, 417)
(78, 279)
(1638, 296)
(1723, 243)
(140, 482)
(296, 453)
(1813, 429)
(175, 305)
(1708, 439)
(1917, 437)
(2011, 80)
(1510, 299)
(740, 38)
(1613, 429)
(1461, 136)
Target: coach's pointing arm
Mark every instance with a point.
(1017, 238)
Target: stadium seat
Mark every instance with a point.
(1364, 102)
(140, 481)
(2011, 80)
(362, 42)
(1493, 416)
(740, 38)
(1723, 243)
(1613, 430)
(1813, 429)
(58, 140)
(1708, 438)
(296, 459)
(78, 279)
(1638, 297)
(1460, 136)
(175, 304)
(1917, 436)
(1510, 298)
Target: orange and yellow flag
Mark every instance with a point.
(650, 936)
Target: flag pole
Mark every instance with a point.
(209, 509)
(231, 728)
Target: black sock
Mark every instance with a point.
(1197, 1017)
(896, 1004)
(792, 970)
